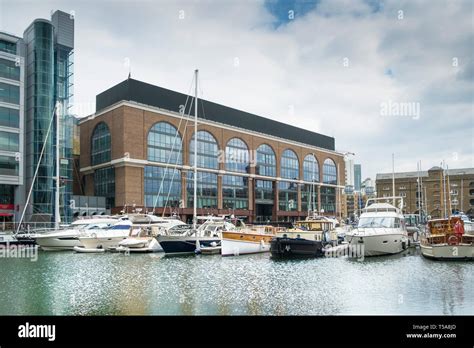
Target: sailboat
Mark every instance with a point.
(207, 235)
(27, 237)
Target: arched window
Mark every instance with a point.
(310, 168)
(328, 194)
(164, 144)
(289, 168)
(100, 144)
(288, 191)
(329, 172)
(236, 156)
(309, 192)
(266, 161)
(207, 151)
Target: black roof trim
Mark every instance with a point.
(144, 93)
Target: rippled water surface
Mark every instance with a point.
(66, 283)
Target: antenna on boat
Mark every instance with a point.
(449, 200)
(196, 72)
(198, 247)
(393, 178)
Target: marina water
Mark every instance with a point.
(66, 283)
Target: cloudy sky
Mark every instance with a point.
(343, 68)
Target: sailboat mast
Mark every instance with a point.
(393, 178)
(57, 215)
(196, 72)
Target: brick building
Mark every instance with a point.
(461, 190)
(137, 150)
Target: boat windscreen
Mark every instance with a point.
(379, 222)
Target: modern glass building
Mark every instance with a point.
(138, 150)
(49, 76)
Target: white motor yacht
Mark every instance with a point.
(67, 238)
(144, 229)
(105, 239)
(381, 229)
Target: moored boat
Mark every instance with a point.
(381, 229)
(446, 240)
(192, 240)
(307, 239)
(8, 239)
(106, 239)
(249, 240)
(68, 238)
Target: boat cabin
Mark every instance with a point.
(442, 231)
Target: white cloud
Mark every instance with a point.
(298, 65)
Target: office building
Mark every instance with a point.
(12, 120)
(36, 73)
(137, 151)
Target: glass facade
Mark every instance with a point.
(310, 169)
(266, 161)
(9, 117)
(104, 185)
(7, 46)
(289, 166)
(64, 90)
(328, 194)
(162, 187)
(207, 151)
(235, 192)
(39, 106)
(264, 191)
(328, 199)
(9, 69)
(7, 194)
(309, 193)
(9, 141)
(206, 190)
(8, 165)
(164, 144)
(9, 93)
(329, 172)
(237, 156)
(287, 196)
(100, 144)
(309, 197)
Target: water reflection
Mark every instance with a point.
(115, 284)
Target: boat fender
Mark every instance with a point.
(453, 240)
(93, 235)
(262, 243)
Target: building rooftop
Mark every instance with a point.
(144, 93)
(406, 175)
